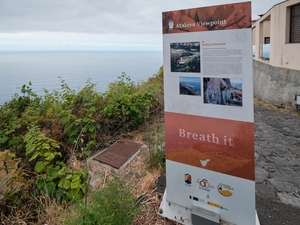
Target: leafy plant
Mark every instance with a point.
(113, 205)
(76, 114)
(54, 177)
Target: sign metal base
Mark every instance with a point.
(175, 212)
(180, 214)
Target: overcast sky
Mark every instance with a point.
(93, 24)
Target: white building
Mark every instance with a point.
(279, 27)
(276, 54)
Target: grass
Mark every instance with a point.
(155, 140)
(113, 205)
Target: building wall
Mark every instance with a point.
(266, 29)
(276, 85)
(282, 53)
(253, 35)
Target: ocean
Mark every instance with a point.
(46, 69)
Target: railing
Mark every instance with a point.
(265, 51)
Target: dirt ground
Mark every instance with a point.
(144, 182)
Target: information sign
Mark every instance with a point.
(209, 110)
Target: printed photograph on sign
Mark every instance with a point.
(185, 57)
(190, 86)
(223, 91)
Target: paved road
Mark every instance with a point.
(277, 152)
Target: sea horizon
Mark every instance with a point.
(78, 50)
(46, 68)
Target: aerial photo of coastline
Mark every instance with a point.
(190, 86)
(185, 57)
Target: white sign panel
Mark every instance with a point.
(209, 110)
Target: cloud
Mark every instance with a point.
(115, 21)
(94, 16)
(84, 16)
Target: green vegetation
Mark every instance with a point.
(43, 139)
(53, 177)
(112, 205)
(156, 147)
(11, 177)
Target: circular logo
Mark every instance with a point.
(203, 183)
(225, 190)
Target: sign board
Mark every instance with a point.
(209, 110)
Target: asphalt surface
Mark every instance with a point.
(277, 168)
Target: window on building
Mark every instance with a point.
(295, 24)
(267, 40)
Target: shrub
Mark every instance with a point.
(45, 133)
(128, 104)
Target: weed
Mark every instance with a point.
(112, 205)
(11, 177)
(50, 210)
(156, 146)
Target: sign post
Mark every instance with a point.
(209, 115)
